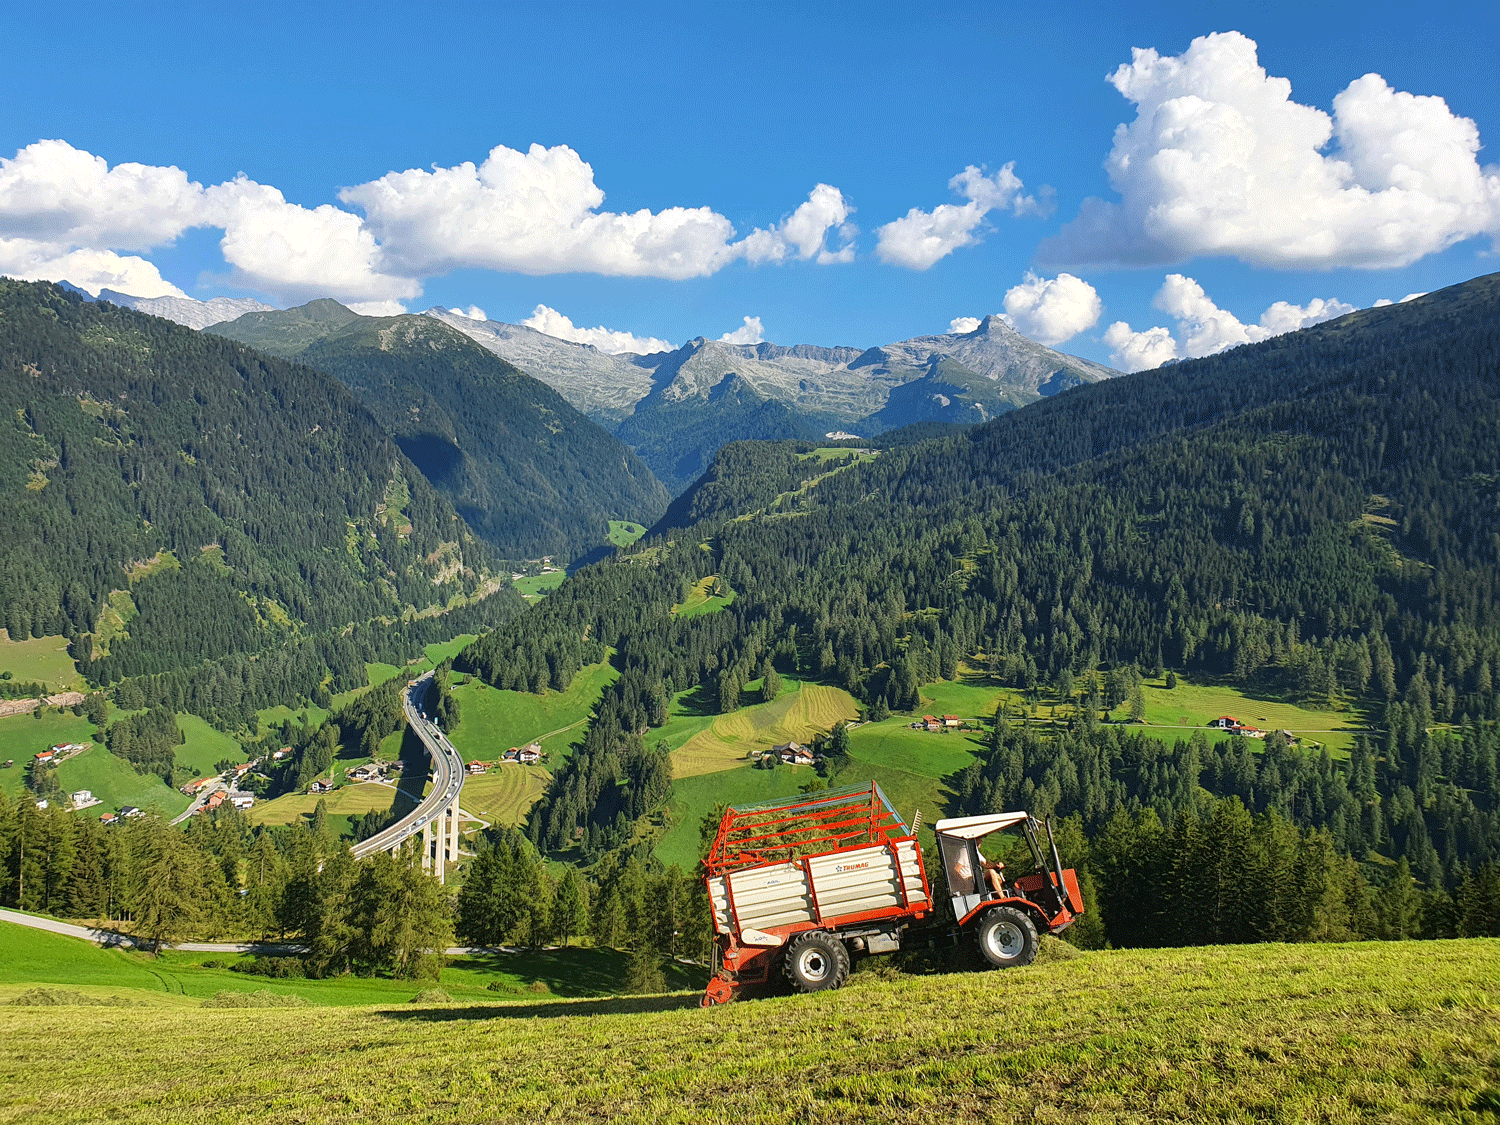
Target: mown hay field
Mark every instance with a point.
(505, 794)
(794, 716)
(348, 800)
(1374, 1032)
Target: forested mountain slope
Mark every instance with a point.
(528, 472)
(1318, 512)
(235, 504)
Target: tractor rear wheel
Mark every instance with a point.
(816, 961)
(1007, 937)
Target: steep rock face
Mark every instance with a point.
(180, 310)
(605, 387)
(527, 471)
(995, 351)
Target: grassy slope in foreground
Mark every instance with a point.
(35, 958)
(1398, 1031)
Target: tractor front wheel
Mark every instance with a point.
(1007, 937)
(816, 961)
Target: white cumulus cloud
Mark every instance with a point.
(751, 332)
(1203, 328)
(474, 312)
(65, 214)
(1053, 310)
(803, 234)
(1220, 160)
(554, 323)
(920, 238)
(963, 325)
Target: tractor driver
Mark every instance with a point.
(994, 870)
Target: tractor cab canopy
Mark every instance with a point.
(978, 827)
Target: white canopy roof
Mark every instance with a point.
(973, 827)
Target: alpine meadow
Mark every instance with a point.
(981, 604)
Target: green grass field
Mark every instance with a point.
(533, 586)
(699, 602)
(113, 780)
(1191, 705)
(204, 746)
(1400, 1032)
(42, 660)
(495, 720)
(895, 745)
(35, 957)
(622, 533)
(725, 740)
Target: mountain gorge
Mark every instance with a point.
(529, 473)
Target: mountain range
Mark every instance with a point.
(676, 409)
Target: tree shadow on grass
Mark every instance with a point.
(550, 1009)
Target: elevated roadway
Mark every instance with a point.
(436, 816)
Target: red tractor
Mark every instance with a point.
(801, 885)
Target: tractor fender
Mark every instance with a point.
(1042, 923)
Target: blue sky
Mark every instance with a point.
(320, 150)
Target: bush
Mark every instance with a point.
(261, 999)
(277, 968)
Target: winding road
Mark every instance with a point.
(447, 777)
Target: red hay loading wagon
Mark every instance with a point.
(798, 886)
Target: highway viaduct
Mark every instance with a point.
(436, 815)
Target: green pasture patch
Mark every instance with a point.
(622, 533)
(1190, 705)
(533, 586)
(494, 720)
(377, 673)
(31, 957)
(271, 718)
(204, 746)
(894, 744)
(42, 660)
(699, 601)
(116, 783)
(447, 650)
(22, 736)
(114, 620)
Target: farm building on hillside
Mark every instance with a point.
(475, 767)
(321, 786)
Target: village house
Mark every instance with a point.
(368, 772)
(953, 722)
(475, 767)
(794, 754)
(321, 786)
(83, 799)
(214, 801)
(130, 812)
(107, 818)
(1224, 722)
(530, 754)
(242, 800)
(284, 752)
(192, 788)
(46, 755)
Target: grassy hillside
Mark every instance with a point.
(796, 715)
(1398, 1032)
(495, 720)
(42, 660)
(31, 958)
